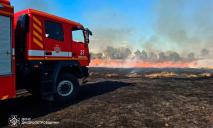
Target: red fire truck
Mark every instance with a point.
(42, 53)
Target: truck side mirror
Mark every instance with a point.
(86, 35)
(89, 32)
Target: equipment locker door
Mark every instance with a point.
(7, 79)
(5, 46)
(7, 74)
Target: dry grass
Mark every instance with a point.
(123, 99)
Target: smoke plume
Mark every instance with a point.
(183, 27)
(124, 53)
(180, 34)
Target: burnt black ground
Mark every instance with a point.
(120, 101)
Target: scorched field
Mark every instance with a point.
(151, 98)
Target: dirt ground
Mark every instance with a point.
(151, 98)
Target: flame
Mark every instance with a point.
(113, 63)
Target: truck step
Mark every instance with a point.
(47, 82)
(22, 92)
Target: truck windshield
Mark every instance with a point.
(78, 36)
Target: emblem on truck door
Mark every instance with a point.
(57, 49)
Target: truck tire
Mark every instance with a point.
(67, 88)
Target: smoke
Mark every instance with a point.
(123, 57)
(110, 28)
(124, 53)
(48, 6)
(191, 56)
(180, 31)
(185, 28)
(182, 27)
(181, 36)
(117, 53)
(36, 4)
(170, 22)
(204, 52)
(105, 37)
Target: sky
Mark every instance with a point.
(155, 25)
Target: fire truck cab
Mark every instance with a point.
(47, 55)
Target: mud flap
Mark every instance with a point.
(46, 85)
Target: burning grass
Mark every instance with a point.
(137, 64)
(132, 63)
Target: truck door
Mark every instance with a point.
(56, 46)
(79, 46)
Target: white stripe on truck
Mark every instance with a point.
(54, 53)
(36, 52)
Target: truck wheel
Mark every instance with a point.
(67, 88)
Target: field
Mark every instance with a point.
(151, 98)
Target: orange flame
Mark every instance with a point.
(143, 64)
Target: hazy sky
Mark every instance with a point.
(180, 25)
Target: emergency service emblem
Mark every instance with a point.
(14, 121)
(57, 49)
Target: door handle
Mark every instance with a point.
(8, 53)
(48, 53)
(85, 45)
